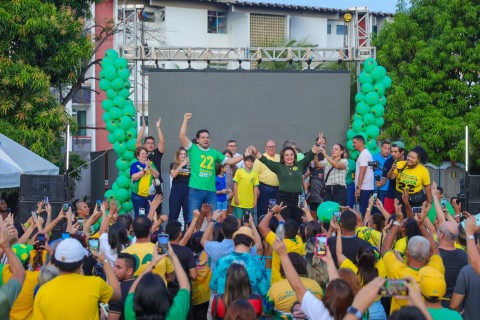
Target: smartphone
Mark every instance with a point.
(141, 211)
(417, 210)
(162, 244)
(271, 203)
(34, 216)
(66, 206)
(99, 204)
(375, 197)
(336, 215)
(41, 239)
(443, 203)
(321, 244)
(477, 221)
(65, 235)
(93, 245)
(394, 287)
(301, 201)
(45, 200)
(246, 216)
(80, 222)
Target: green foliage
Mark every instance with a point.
(41, 47)
(432, 54)
(81, 8)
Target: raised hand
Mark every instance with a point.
(157, 124)
(187, 116)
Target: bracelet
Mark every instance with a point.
(470, 237)
(396, 223)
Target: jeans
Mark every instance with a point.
(141, 202)
(197, 197)
(336, 193)
(363, 201)
(351, 195)
(266, 193)
(178, 200)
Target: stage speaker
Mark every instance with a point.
(36, 187)
(473, 188)
(473, 207)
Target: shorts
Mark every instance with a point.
(222, 205)
(239, 212)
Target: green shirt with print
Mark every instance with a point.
(202, 166)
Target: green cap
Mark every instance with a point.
(399, 144)
(22, 251)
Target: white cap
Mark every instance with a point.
(70, 250)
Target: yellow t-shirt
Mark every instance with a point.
(201, 285)
(371, 235)
(281, 297)
(348, 264)
(265, 175)
(23, 306)
(246, 181)
(398, 270)
(71, 296)
(413, 180)
(143, 255)
(296, 245)
(401, 245)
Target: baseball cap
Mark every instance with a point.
(70, 250)
(432, 283)
(22, 251)
(245, 231)
(399, 144)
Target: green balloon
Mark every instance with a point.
(364, 135)
(115, 124)
(119, 102)
(129, 155)
(110, 126)
(371, 144)
(115, 113)
(123, 182)
(121, 63)
(124, 74)
(382, 100)
(111, 138)
(127, 85)
(372, 98)
(362, 108)
(350, 134)
(356, 117)
(111, 53)
(111, 94)
(369, 119)
(106, 62)
(379, 122)
(101, 74)
(387, 82)
(379, 88)
(300, 156)
(106, 117)
(377, 149)
(118, 84)
(110, 73)
(358, 126)
(378, 110)
(124, 93)
(131, 144)
(378, 73)
(354, 155)
(131, 133)
(126, 172)
(349, 145)
(372, 131)
(326, 210)
(129, 110)
(126, 123)
(366, 88)
(119, 134)
(122, 195)
(122, 164)
(359, 97)
(120, 147)
(105, 84)
(109, 195)
(115, 187)
(365, 78)
(369, 64)
(107, 105)
(127, 206)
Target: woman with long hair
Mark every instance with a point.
(338, 297)
(114, 242)
(335, 174)
(237, 286)
(180, 173)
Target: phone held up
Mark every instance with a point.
(416, 210)
(246, 216)
(162, 243)
(301, 201)
(41, 241)
(271, 203)
(93, 245)
(321, 244)
(141, 211)
(394, 287)
(99, 204)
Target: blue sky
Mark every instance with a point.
(373, 5)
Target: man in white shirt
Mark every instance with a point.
(364, 176)
(232, 146)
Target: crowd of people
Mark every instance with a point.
(252, 245)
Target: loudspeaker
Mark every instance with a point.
(36, 187)
(473, 207)
(473, 188)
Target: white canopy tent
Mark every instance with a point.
(16, 160)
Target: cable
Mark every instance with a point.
(87, 163)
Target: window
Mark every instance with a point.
(374, 29)
(81, 116)
(217, 22)
(329, 29)
(341, 29)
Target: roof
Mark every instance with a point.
(294, 7)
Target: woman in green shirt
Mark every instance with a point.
(147, 296)
(290, 176)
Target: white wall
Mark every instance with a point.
(238, 29)
(312, 30)
(334, 40)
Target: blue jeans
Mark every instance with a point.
(363, 200)
(141, 202)
(376, 311)
(351, 195)
(195, 199)
(178, 200)
(266, 193)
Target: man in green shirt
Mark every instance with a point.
(202, 166)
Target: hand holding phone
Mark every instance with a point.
(301, 201)
(394, 287)
(321, 244)
(40, 241)
(416, 210)
(99, 204)
(93, 245)
(162, 243)
(141, 211)
(246, 217)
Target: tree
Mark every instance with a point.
(41, 47)
(432, 53)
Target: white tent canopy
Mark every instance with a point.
(16, 160)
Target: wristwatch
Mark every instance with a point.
(355, 312)
(470, 237)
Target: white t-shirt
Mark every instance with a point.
(369, 178)
(314, 308)
(108, 252)
(240, 164)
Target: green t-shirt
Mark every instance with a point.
(178, 310)
(444, 314)
(432, 214)
(202, 166)
(351, 171)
